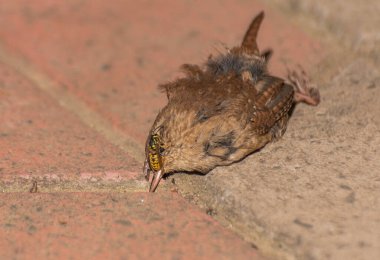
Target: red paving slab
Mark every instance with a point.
(41, 140)
(112, 226)
(112, 54)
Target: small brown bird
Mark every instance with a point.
(222, 111)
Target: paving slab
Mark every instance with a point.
(41, 141)
(113, 55)
(355, 25)
(315, 193)
(112, 226)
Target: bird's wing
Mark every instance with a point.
(274, 100)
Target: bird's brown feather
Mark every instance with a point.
(222, 111)
(249, 43)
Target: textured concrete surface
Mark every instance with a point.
(112, 225)
(315, 193)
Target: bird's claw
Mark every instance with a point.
(303, 91)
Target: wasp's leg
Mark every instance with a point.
(146, 170)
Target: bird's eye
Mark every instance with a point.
(161, 150)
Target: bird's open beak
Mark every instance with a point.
(155, 180)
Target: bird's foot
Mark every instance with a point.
(303, 91)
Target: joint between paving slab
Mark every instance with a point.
(71, 103)
(46, 185)
(115, 181)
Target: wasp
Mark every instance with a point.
(154, 153)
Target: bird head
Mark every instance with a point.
(181, 138)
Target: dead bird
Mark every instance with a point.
(222, 111)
